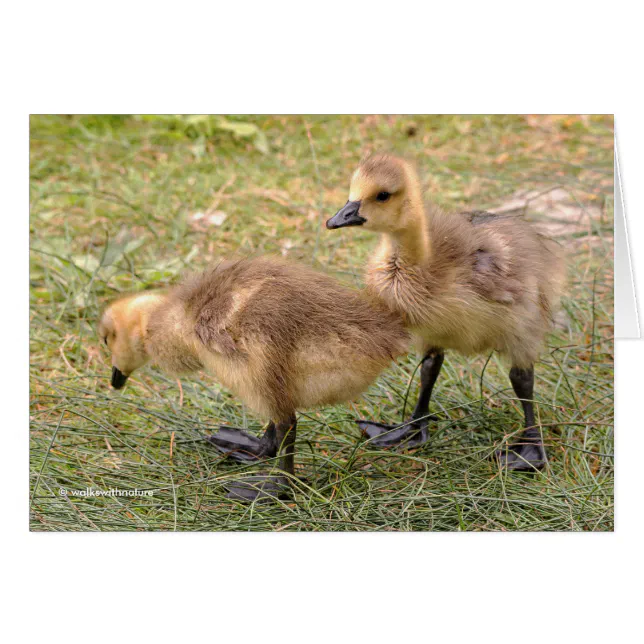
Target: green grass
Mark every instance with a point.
(110, 204)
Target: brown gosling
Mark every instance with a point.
(280, 336)
(472, 282)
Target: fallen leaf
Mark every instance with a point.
(200, 220)
(215, 218)
(287, 244)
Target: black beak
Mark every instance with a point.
(118, 379)
(346, 216)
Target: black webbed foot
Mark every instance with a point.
(261, 487)
(522, 457)
(407, 435)
(414, 432)
(240, 445)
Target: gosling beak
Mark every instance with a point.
(346, 216)
(118, 378)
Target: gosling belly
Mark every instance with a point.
(332, 387)
(334, 372)
(466, 341)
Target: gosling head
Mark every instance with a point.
(382, 189)
(122, 329)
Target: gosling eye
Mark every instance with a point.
(383, 196)
(105, 340)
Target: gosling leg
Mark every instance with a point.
(429, 371)
(415, 431)
(244, 447)
(529, 453)
(286, 431)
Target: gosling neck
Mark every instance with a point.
(151, 304)
(412, 241)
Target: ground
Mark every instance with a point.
(120, 204)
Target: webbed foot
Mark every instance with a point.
(407, 435)
(261, 487)
(241, 446)
(522, 457)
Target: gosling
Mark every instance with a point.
(472, 282)
(282, 337)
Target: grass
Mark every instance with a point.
(111, 206)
